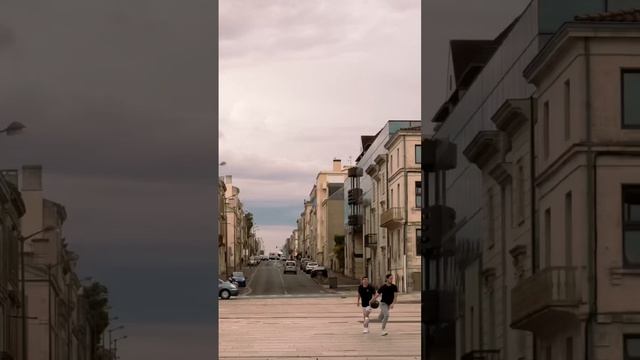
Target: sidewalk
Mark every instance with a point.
(314, 328)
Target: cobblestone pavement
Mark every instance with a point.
(323, 328)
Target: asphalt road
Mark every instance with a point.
(269, 280)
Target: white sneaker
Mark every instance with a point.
(365, 331)
(384, 333)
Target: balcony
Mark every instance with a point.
(371, 240)
(355, 220)
(550, 296)
(354, 196)
(391, 218)
(354, 172)
(482, 355)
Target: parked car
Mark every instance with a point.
(238, 276)
(253, 261)
(264, 257)
(290, 266)
(303, 263)
(310, 265)
(226, 289)
(319, 270)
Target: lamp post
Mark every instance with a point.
(13, 128)
(22, 239)
(112, 331)
(104, 333)
(115, 345)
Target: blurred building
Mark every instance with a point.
(12, 208)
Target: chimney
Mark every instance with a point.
(337, 164)
(32, 178)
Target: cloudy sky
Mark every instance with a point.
(119, 96)
(300, 81)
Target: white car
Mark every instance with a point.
(290, 266)
(310, 266)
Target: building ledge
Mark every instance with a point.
(484, 146)
(512, 115)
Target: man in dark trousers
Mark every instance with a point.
(365, 293)
(388, 292)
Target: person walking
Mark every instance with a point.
(365, 293)
(388, 292)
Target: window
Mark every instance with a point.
(521, 192)
(632, 347)
(391, 165)
(491, 219)
(398, 157)
(630, 94)
(391, 199)
(545, 130)
(398, 194)
(568, 228)
(547, 237)
(418, 194)
(418, 154)
(631, 225)
(418, 242)
(567, 109)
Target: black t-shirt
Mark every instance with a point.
(366, 293)
(388, 293)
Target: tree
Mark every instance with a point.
(96, 295)
(248, 218)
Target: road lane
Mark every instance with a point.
(269, 280)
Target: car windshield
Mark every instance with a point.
(312, 264)
(239, 274)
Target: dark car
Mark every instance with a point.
(239, 278)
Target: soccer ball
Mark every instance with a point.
(374, 304)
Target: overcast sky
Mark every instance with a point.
(118, 98)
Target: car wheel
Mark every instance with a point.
(225, 294)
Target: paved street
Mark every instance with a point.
(292, 317)
(268, 280)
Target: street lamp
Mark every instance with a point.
(115, 345)
(111, 331)
(12, 128)
(104, 333)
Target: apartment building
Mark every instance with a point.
(222, 228)
(402, 217)
(235, 225)
(327, 184)
(367, 249)
(332, 214)
(57, 326)
(545, 145)
(11, 210)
